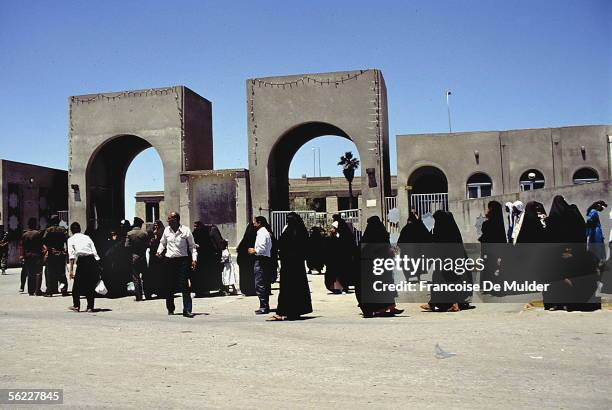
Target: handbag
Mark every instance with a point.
(101, 288)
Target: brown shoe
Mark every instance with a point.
(74, 309)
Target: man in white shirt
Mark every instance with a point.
(82, 250)
(178, 242)
(263, 264)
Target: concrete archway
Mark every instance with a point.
(283, 152)
(105, 178)
(286, 112)
(428, 179)
(107, 131)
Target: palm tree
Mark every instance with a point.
(349, 165)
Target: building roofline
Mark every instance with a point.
(32, 165)
(510, 130)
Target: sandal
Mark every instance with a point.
(426, 307)
(275, 318)
(454, 308)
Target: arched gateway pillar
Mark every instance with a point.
(106, 132)
(286, 112)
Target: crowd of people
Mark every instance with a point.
(128, 260)
(173, 258)
(561, 248)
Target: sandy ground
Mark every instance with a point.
(134, 355)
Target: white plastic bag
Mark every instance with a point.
(101, 288)
(131, 287)
(228, 275)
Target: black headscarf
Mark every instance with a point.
(493, 230)
(375, 231)
(414, 231)
(565, 224)
(248, 241)
(445, 229)
(532, 229)
(295, 233)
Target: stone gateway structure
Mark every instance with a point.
(107, 131)
(459, 171)
(284, 113)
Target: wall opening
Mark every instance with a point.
(315, 176)
(428, 180)
(479, 185)
(531, 179)
(108, 193)
(287, 148)
(585, 176)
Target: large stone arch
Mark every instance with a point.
(105, 177)
(106, 133)
(286, 112)
(282, 154)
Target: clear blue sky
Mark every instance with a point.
(510, 64)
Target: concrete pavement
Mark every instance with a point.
(132, 355)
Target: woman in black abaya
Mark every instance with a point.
(528, 259)
(410, 241)
(115, 265)
(337, 259)
(449, 244)
(572, 275)
(375, 244)
(316, 249)
(294, 295)
(153, 280)
(493, 234)
(246, 261)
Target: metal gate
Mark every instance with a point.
(424, 203)
(278, 220)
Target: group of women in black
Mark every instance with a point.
(337, 251)
(549, 248)
(444, 241)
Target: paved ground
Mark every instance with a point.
(134, 355)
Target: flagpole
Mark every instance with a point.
(448, 93)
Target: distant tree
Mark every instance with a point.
(349, 165)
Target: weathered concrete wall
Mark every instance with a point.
(523, 150)
(220, 197)
(40, 193)
(106, 131)
(285, 112)
(595, 141)
(504, 156)
(467, 211)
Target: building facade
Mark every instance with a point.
(462, 171)
(29, 191)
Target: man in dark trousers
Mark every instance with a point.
(32, 256)
(136, 243)
(54, 242)
(82, 251)
(262, 251)
(177, 241)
